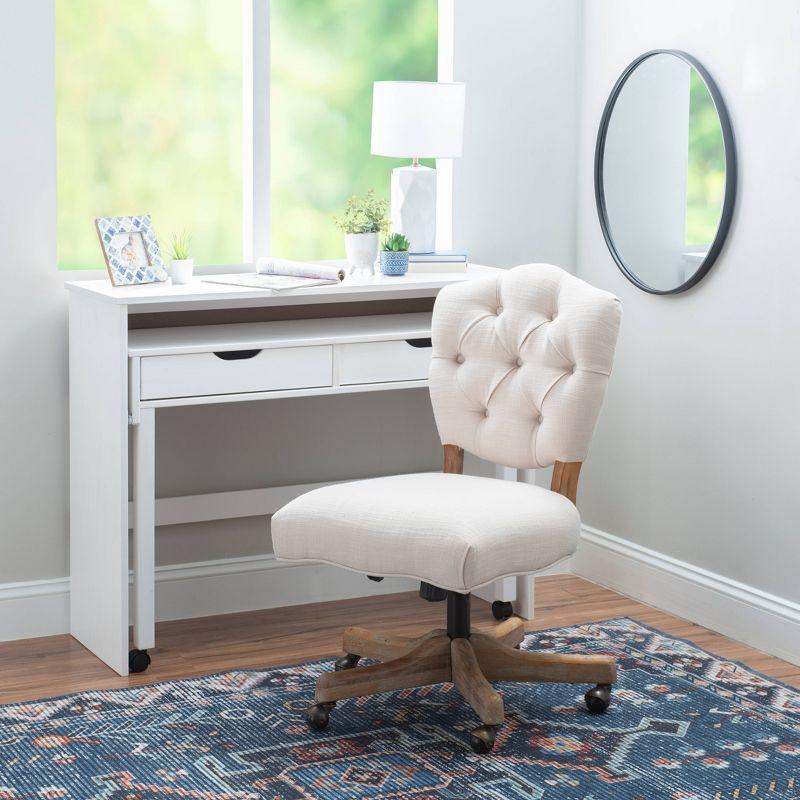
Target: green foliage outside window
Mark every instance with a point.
(149, 116)
(324, 59)
(149, 120)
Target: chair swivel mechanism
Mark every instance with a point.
(519, 370)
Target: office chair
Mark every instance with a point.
(519, 369)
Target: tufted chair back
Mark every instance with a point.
(520, 364)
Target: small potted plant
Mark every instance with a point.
(362, 222)
(181, 266)
(394, 255)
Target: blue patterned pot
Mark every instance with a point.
(394, 263)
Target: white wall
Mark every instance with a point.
(33, 344)
(696, 451)
(514, 188)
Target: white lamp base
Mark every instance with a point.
(414, 206)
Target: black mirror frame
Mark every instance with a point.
(730, 173)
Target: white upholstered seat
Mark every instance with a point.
(454, 531)
(520, 365)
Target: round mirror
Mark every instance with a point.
(665, 172)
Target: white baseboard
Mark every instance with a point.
(749, 615)
(34, 608)
(41, 608)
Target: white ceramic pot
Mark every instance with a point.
(361, 250)
(181, 269)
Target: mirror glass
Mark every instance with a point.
(664, 169)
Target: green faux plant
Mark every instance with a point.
(365, 214)
(180, 245)
(396, 243)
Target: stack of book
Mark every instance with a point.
(437, 261)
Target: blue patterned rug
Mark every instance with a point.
(683, 725)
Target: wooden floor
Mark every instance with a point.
(55, 665)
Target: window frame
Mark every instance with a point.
(256, 140)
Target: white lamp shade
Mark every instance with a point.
(414, 119)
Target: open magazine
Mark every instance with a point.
(280, 273)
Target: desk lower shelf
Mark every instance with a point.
(249, 397)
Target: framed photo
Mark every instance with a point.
(131, 250)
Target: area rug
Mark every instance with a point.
(683, 725)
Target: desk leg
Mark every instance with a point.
(521, 590)
(98, 488)
(516, 590)
(525, 596)
(144, 636)
(524, 604)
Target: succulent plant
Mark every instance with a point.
(396, 243)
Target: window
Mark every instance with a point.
(151, 99)
(149, 119)
(324, 57)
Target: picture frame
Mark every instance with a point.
(130, 249)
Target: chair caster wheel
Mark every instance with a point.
(347, 661)
(318, 715)
(501, 610)
(482, 739)
(598, 699)
(138, 660)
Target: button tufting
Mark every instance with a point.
(518, 361)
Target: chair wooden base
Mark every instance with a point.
(469, 663)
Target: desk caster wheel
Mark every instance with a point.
(138, 660)
(598, 699)
(481, 739)
(501, 610)
(347, 661)
(318, 716)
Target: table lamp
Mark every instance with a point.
(415, 119)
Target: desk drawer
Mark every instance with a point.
(382, 362)
(231, 372)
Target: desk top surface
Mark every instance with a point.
(379, 287)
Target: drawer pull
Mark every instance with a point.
(420, 342)
(236, 355)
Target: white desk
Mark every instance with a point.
(136, 349)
